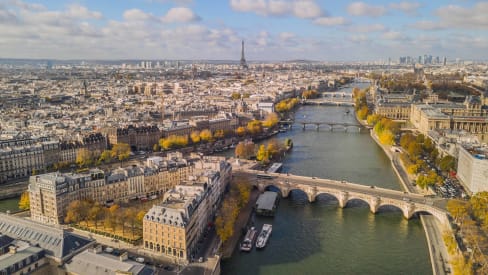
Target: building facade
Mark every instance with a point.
(51, 193)
(450, 117)
(473, 169)
(174, 228)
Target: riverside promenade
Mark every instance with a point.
(439, 257)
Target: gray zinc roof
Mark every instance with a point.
(57, 242)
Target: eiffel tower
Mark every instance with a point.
(243, 59)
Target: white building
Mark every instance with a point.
(473, 169)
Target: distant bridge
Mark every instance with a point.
(329, 98)
(330, 124)
(345, 192)
(337, 94)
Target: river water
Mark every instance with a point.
(321, 238)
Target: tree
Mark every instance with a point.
(84, 157)
(244, 150)
(458, 209)
(254, 127)
(363, 112)
(195, 136)
(95, 213)
(447, 163)
(271, 120)
(131, 217)
(156, 148)
(140, 217)
(121, 151)
(262, 154)
(387, 137)
(241, 131)
(414, 150)
(219, 134)
(73, 212)
(105, 156)
(373, 119)
(235, 96)
(24, 202)
(206, 135)
(406, 140)
(274, 148)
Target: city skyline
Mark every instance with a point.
(272, 29)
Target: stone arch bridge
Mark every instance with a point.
(344, 192)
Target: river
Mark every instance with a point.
(321, 238)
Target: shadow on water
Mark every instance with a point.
(287, 231)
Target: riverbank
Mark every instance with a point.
(242, 220)
(13, 190)
(439, 257)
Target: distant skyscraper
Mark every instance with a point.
(243, 59)
(444, 61)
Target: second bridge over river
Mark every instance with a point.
(376, 197)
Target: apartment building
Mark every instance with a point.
(173, 228)
(51, 193)
(472, 168)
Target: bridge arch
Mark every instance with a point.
(389, 208)
(326, 198)
(298, 194)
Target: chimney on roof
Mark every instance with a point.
(12, 249)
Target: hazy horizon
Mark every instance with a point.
(274, 30)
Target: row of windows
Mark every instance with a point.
(165, 250)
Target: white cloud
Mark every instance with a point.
(361, 38)
(286, 36)
(78, 11)
(297, 8)
(178, 2)
(331, 21)
(363, 9)
(410, 8)
(461, 17)
(306, 9)
(180, 14)
(136, 15)
(457, 17)
(263, 39)
(394, 35)
(428, 25)
(368, 28)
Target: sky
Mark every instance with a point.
(322, 30)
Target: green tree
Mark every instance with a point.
(447, 163)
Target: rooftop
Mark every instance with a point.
(57, 242)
